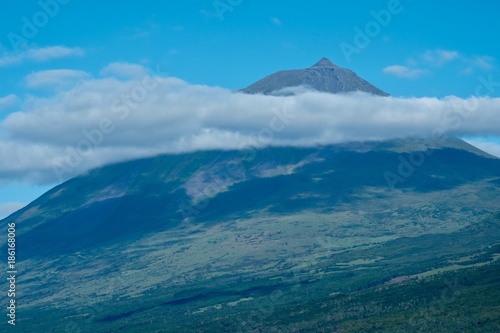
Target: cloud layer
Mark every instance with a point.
(8, 101)
(99, 120)
(56, 78)
(404, 71)
(438, 58)
(40, 54)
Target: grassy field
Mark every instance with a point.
(383, 288)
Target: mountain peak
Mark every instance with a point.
(324, 76)
(324, 62)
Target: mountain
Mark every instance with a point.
(232, 238)
(131, 200)
(396, 235)
(324, 76)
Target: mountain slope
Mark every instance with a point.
(193, 237)
(106, 204)
(324, 76)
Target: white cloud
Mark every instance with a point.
(8, 101)
(467, 70)
(55, 78)
(482, 62)
(7, 208)
(440, 57)
(41, 54)
(124, 70)
(104, 120)
(52, 52)
(404, 72)
(276, 21)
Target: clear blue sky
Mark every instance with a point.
(425, 48)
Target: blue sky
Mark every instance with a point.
(414, 48)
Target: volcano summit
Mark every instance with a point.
(324, 76)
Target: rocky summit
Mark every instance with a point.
(323, 76)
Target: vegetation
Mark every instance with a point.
(326, 247)
(465, 300)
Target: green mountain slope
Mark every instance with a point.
(199, 240)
